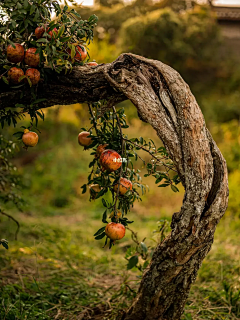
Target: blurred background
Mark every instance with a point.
(55, 269)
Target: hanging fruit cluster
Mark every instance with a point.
(112, 168)
(32, 45)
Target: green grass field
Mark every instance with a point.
(56, 270)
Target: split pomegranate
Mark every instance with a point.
(94, 189)
(125, 185)
(83, 139)
(81, 53)
(31, 58)
(14, 74)
(110, 160)
(33, 75)
(100, 149)
(115, 231)
(29, 138)
(16, 54)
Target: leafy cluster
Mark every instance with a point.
(10, 180)
(18, 22)
(107, 129)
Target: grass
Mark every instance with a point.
(56, 270)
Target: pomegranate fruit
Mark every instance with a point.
(125, 185)
(39, 31)
(81, 53)
(29, 138)
(110, 160)
(14, 74)
(16, 54)
(100, 149)
(115, 231)
(33, 75)
(53, 33)
(94, 189)
(83, 139)
(31, 58)
(92, 63)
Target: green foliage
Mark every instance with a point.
(10, 180)
(186, 41)
(108, 127)
(18, 21)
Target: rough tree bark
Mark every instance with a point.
(165, 101)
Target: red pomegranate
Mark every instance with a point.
(29, 138)
(92, 63)
(53, 33)
(39, 31)
(16, 54)
(110, 160)
(33, 75)
(14, 74)
(125, 185)
(83, 139)
(115, 231)
(81, 53)
(31, 58)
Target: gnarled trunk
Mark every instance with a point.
(165, 101)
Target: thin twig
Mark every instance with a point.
(10, 217)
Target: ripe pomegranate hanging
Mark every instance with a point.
(29, 138)
(39, 31)
(31, 58)
(81, 53)
(110, 160)
(33, 75)
(125, 185)
(14, 74)
(83, 139)
(16, 54)
(115, 231)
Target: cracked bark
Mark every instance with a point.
(164, 100)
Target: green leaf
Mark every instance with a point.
(5, 80)
(143, 247)
(104, 218)
(99, 231)
(164, 185)
(84, 187)
(100, 236)
(104, 202)
(5, 245)
(174, 188)
(132, 262)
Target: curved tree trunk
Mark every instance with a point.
(165, 101)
